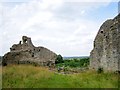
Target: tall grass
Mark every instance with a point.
(27, 76)
(0, 77)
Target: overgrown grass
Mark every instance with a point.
(0, 77)
(28, 76)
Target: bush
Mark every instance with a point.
(59, 59)
(100, 70)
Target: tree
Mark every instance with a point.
(59, 59)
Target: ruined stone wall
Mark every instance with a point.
(0, 60)
(26, 53)
(106, 53)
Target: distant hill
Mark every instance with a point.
(73, 57)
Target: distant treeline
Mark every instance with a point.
(75, 57)
(74, 62)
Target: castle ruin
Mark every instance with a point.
(26, 53)
(106, 52)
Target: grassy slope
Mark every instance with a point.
(0, 77)
(27, 76)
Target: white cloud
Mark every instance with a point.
(92, 0)
(43, 22)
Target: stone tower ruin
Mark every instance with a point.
(26, 53)
(106, 52)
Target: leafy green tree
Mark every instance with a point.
(59, 59)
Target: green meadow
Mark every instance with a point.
(29, 76)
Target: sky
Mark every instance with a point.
(66, 27)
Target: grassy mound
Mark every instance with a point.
(28, 76)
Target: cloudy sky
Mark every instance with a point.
(67, 27)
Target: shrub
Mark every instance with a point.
(59, 59)
(100, 70)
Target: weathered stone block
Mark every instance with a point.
(106, 52)
(26, 53)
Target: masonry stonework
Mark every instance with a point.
(26, 53)
(106, 52)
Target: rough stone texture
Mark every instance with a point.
(25, 52)
(106, 52)
(0, 60)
